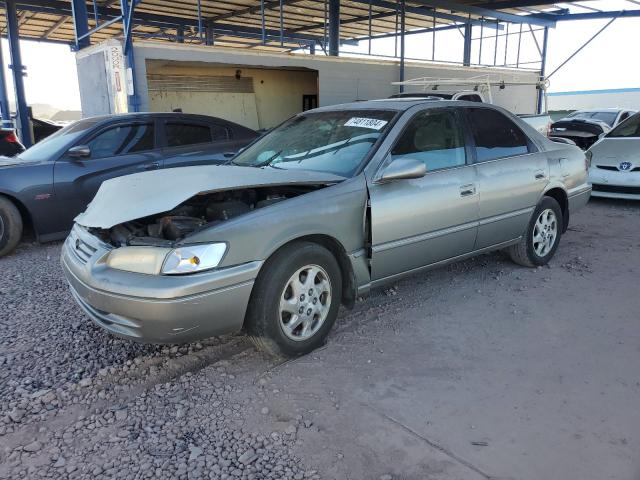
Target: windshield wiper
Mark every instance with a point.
(268, 161)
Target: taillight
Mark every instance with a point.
(548, 129)
(11, 138)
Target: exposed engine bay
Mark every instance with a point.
(201, 211)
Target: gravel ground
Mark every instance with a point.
(477, 370)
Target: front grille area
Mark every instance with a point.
(81, 249)
(616, 189)
(616, 169)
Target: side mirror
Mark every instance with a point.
(79, 151)
(403, 169)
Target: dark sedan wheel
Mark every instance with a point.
(295, 300)
(541, 240)
(10, 226)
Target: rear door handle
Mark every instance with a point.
(467, 190)
(151, 166)
(540, 175)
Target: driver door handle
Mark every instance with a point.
(467, 190)
(151, 166)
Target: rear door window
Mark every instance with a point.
(181, 134)
(434, 138)
(122, 139)
(219, 133)
(495, 135)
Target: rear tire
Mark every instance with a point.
(542, 237)
(295, 300)
(10, 226)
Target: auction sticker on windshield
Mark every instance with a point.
(372, 123)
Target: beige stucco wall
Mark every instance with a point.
(277, 93)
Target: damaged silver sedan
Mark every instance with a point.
(330, 204)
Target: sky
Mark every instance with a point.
(610, 61)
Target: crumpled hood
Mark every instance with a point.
(140, 195)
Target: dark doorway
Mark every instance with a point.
(309, 102)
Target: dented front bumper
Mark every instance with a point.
(155, 308)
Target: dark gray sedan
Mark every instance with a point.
(321, 209)
(46, 186)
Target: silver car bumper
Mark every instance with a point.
(155, 308)
(615, 184)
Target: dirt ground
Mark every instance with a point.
(480, 370)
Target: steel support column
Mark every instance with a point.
(4, 98)
(16, 66)
(543, 67)
(468, 31)
(128, 10)
(334, 27)
(81, 23)
(209, 37)
(402, 42)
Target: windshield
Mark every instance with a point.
(51, 147)
(629, 128)
(607, 117)
(335, 142)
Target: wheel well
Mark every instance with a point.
(560, 196)
(27, 222)
(340, 254)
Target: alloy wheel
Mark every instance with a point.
(305, 302)
(545, 232)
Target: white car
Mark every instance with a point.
(615, 162)
(610, 116)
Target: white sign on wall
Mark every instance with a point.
(116, 78)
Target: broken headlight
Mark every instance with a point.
(193, 258)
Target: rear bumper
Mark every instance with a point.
(158, 309)
(579, 198)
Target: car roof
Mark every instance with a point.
(150, 115)
(398, 104)
(596, 110)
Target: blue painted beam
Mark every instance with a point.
(543, 68)
(466, 54)
(488, 12)
(100, 27)
(597, 15)
(334, 27)
(5, 111)
(424, 11)
(402, 42)
(81, 23)
(58, 7)
(13, 35)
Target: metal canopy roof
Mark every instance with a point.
(288, 24)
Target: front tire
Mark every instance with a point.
(542, 237)
(295, 300)
(10, 226)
